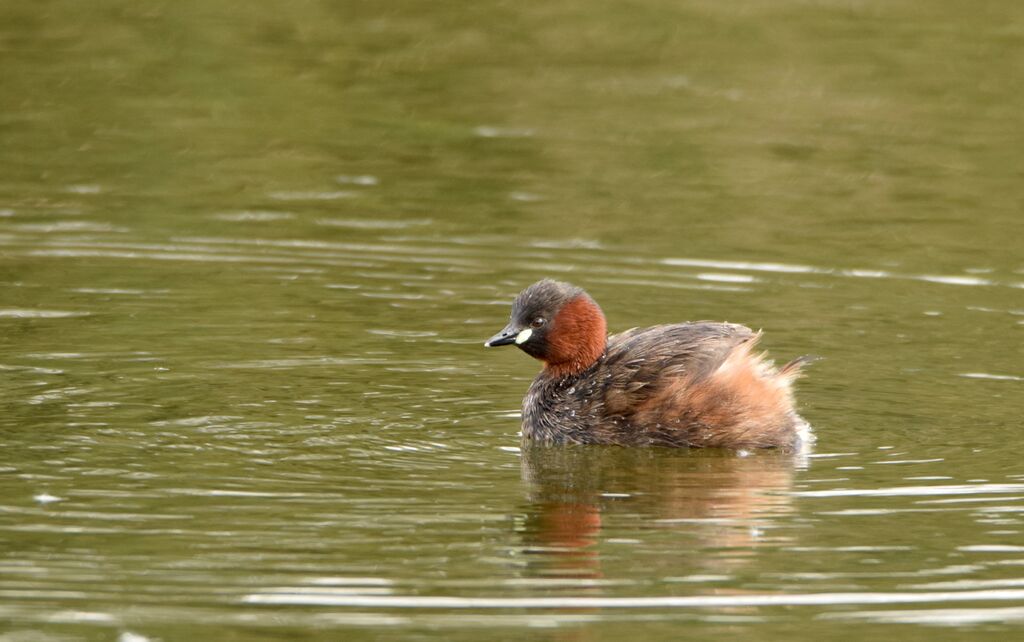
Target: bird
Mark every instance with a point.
(694, 384)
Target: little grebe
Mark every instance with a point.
(686, 384)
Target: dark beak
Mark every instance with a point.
(504, 338)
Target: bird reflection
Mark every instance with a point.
(688, 511)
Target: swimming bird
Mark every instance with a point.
(696, 384)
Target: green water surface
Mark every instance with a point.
(249, 253)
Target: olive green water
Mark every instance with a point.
(249, 253)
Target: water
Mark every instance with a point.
(248, 256)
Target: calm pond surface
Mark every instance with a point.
(249, 254)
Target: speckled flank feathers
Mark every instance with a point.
(687, 384)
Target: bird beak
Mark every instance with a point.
(504, 338)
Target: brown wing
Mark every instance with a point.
(638, 363)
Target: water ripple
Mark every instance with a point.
(909, 491)
(39, 314)
(302, 597)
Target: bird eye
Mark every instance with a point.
(538, 322)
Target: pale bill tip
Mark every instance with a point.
(523, 336)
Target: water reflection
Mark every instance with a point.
(722, 502)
